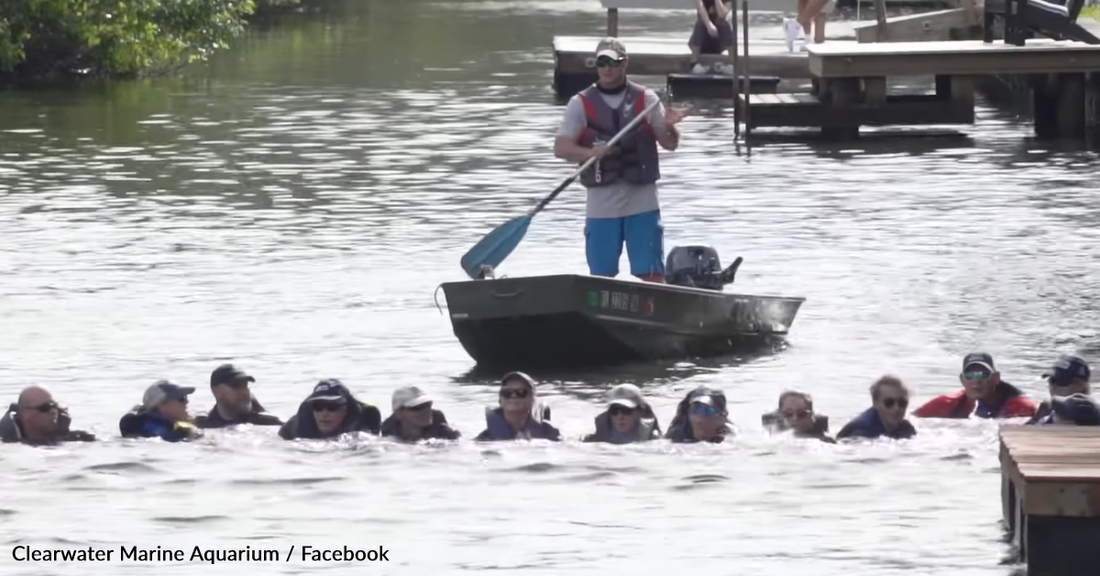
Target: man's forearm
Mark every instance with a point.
(571, 151)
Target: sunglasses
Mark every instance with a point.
(976, 375)
(617, 409)
(236, 384)
(799, 414)
(420, 407)
(44, 408)
(703, 409)
(327, 406)
(514, 392)
(900, 402)
(606, 62)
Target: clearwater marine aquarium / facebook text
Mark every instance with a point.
(159, 554)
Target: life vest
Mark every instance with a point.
(634, 158)
(958, 405)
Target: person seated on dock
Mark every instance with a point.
(161, 414)
(35, 419)
(330, 411)
(628, 418)
(701, 417)
(796, 414)
(795, 30)
(233, 401)
(984, 394)
(713, 32)
(415, 419)
(622, 203)
(886, 416)
(1070, 375)
(519, 416)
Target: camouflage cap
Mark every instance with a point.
(612, 48)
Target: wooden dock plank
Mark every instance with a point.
(663, 56)
(963, 57)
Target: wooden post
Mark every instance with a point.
(745, 64)
(1071, 106)
(1092, 107)
(842, 92)
(883, 34)
(736, 77)
(613, 22)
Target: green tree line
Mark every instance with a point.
(119, 37)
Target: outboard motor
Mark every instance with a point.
(698, 267)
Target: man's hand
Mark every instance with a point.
(712, 29)
(673, 116)
(599, 151)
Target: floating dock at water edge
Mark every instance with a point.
(1050, 495)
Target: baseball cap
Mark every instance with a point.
(409, 397)
(1079, 408)
(330, 390)
(627, 395)
(1066, 369)
(162, 391)
(228, 373)
(979, 359)
(612, 48)
(704, 395)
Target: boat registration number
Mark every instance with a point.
(619, 301)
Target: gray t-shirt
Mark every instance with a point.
(621, 198)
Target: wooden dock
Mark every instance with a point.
(1050, 494)
(851, 85)
(575, 61)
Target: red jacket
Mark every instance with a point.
(957, 405)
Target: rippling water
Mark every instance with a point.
(293, 205)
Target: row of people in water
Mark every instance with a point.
(331, 410)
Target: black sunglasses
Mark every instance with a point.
(44, 408)
(420, 407)
(236, 384)
(327, 406)
(617, 409)
(607, 62)
(890, 402)
(514, 392)
(800, 414)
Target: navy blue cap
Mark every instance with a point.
(1067, 369)
(163, 391)
(1078, 408)
(331, 390)
(981, 359)
(708, 396)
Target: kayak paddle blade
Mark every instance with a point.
(495, 246)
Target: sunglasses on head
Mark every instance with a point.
(891, 402)
(976, 375)
(608, 62)
(327, 406)
(514, 392)
(44, 408)
(703, 409)
(617, 409)
(799, 414)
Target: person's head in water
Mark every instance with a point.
(329, 404)
(1075, 410)
(37, 413)
(626, 407)
(611, 62)
(230, 387)
(167, 400)
(707, 414)
(979, 377)
(1069, 375)
(517, 396)
(890, 398)
(797, 411)
(413, 409)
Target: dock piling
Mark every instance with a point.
(745, 64)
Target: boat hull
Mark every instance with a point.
(572, 320)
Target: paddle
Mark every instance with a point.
(498, 244)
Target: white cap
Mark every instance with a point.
(627, 395)
(409, 397)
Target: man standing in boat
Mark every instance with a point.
(622, 201)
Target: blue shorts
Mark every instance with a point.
(644, 237)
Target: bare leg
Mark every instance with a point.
(819, 28)
(814, 8)
(802, 10)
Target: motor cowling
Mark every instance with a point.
(698, 267)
